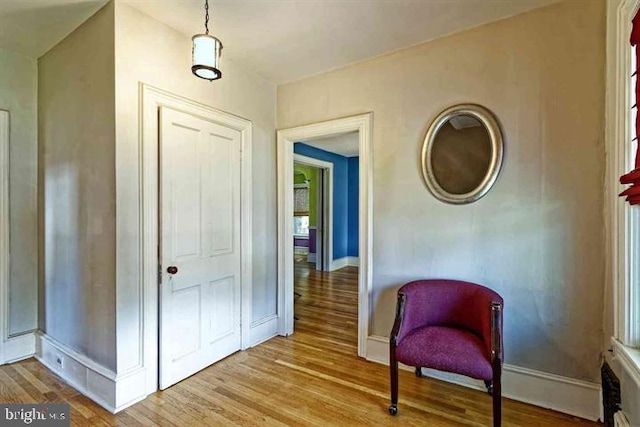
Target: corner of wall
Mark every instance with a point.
(112, 391)
(76, 131)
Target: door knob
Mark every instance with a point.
(172, 269)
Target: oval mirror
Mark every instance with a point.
(462, 154)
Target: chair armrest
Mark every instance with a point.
(496, 333)
(397, 324)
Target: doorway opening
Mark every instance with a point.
(313, 212)
(326, 184)
(321, 141)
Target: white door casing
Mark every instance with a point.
(286, 138)
(324, 225)
(200, 238)
(21, 346)
(322, 176)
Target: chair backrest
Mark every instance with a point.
(441, 302)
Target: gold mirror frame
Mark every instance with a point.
(492, 127)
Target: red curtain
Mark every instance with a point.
(633, 192)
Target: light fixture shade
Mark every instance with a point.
(206, 56)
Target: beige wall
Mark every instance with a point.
(18, 95)
(77, 156)
(537, 237)
(150, 52)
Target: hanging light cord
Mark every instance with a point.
(206, 16)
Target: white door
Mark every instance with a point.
(200, 244)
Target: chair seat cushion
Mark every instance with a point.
(446, 349)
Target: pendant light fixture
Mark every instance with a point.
(206, 52)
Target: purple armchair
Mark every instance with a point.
(451, 326)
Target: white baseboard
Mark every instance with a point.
(353, 261)
(88, 377)
(18, 348)
(100, 384)
(337, 264)
(263, 329)
(131, 388)
(568, 395)
(348, 261)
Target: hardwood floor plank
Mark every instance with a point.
(42, 387)
(185, 412)
(11, 390)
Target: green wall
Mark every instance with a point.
(311, 174)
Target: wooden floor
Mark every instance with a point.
(312, 378)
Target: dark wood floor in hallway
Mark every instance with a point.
(312, 378)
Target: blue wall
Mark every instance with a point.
(343, 207)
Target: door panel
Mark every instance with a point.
(220, 317)
(219, 202)
(200, 235)
(185, 197)
(185, 314)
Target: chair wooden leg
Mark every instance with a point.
(419, 372)
(393, 374)
(497, 396)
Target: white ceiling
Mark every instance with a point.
(281, 40)
(345, 144)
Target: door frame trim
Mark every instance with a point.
(21, 345)
(327, 214)
(285, 140)
(151, 99)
